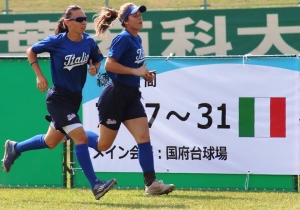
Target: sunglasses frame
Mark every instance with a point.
(77, 19)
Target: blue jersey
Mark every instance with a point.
(128, 51)
(68, 59)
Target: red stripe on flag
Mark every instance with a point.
(278, 117)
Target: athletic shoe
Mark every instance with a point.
(159, 188)
(10, 155)
(102, 187)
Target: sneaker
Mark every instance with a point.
(159, 188)
(10, 155)
(102, 187)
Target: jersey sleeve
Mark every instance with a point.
(96, 54)
(118, 46)
(45, 45)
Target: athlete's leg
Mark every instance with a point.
(102, 142)
(110, 110)
(50, 140)
(14, 149)
(78, 135)
(139, 129)
(106, 138)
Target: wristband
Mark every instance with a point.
(33, 62)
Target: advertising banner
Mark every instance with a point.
(212, 115)
(266, 31)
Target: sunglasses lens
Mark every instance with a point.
(80, 19)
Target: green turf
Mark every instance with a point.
(136, 199)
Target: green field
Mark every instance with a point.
(39, 6)
(76, 199)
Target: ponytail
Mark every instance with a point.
(60, 27)
(103, 20)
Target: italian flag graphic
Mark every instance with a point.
(262, 117)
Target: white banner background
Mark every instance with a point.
(182, 90)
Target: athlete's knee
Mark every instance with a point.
(143, 138)
(79, 137)
(103, 146)
(51, 145)
(81, 141)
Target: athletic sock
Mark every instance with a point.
(92, 140)
(84, 160)
(145, 155)
(36, 142)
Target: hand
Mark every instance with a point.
(142, 71)
(92, 69)
(42, 83)
(150, 76)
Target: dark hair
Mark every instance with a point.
(61, 27)
(104, 19)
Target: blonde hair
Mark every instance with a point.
(104, 19)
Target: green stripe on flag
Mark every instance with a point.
(246, 117)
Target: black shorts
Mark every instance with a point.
(63, 106)
(118, 103)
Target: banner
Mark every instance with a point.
(183, 33)
(213, 115)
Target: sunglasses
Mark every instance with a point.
(78, 19)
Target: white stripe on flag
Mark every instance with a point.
(262, 117)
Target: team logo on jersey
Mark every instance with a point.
(73, 61)
(140, 57)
